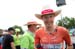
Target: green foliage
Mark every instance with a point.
(67, 22)
(19, 27)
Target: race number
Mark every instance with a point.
(52, 46)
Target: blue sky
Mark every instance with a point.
(19, 12)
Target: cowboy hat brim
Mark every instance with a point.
(32, 23)
(55, 14)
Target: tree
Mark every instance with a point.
(19, 27)
(67, 22)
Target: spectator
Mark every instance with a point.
(17, 38)
(8, 41)
(28, 37)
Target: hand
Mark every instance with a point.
(70, 47)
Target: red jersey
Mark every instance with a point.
(53, 40)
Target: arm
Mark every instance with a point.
(68, 39)
(11, 40)
(12, 45)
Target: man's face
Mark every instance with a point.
(33, 27)
(12, 31)
(48, 19)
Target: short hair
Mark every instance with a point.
(11, 29)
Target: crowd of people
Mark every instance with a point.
(49, 36)
(9, 40)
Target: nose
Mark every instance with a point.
(48, 19)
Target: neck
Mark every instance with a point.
(31, 31)
(51, 29)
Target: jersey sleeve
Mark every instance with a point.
(67, 37)
(37, 40)
(11, 39)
